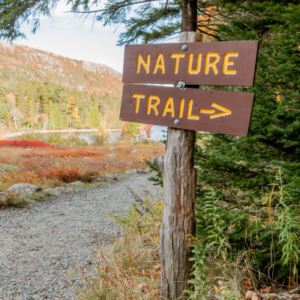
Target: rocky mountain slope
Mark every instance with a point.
(21, 62)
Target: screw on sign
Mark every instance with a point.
(185, 109)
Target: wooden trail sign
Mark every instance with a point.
(193, 109)
(216, 63)
(184, 111)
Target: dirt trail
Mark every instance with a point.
(47, 250)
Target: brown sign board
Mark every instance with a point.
(215, 63)
(195, 109)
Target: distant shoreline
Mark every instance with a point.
(63, 130)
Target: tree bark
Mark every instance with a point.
(189, 15)
(178, 222)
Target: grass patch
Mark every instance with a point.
(15, 200)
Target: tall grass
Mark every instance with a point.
(130, 268)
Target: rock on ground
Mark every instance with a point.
(24, 189)
(136, 151)
(77, 183)
(97, 178)
(141, 171)
(47, 249)
(130, 172)
(111, 176)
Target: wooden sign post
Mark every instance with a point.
(179, 178)
(184, 109)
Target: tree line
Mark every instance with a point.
(36, 104)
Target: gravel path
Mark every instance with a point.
(47, 250)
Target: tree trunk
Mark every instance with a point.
(188, 15)
(179, 178)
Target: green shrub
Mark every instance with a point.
(99, 139)
(132, 129)
(265, 231)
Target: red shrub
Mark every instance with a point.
(69, 175)
(25, 144)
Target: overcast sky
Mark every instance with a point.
(66, 34)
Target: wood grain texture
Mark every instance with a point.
(237, 123)
(179, 178)
(244, 64)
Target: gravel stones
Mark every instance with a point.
(48, 249)
(58, 191)
(24, 189)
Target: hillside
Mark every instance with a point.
(39, 89)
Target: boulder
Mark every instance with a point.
(110, 177)
(24, 189)
(141, 171)
(28, 149)
(98, 179)
(3, 197)
(111, 148)
(86, 158)
(111, 155)
(4, 168)
(77, 183)
(57, 191)
(136, 151)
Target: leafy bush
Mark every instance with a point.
(99, 139)
(130, 129)
(266, 232)
(69, 175)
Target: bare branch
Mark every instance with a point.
(166, 6)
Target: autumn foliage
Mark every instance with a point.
(48, 166)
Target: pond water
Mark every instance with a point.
(158, 133)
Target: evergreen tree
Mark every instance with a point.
(95, 116)
(44, 99)
(58, 122)
(21, 100)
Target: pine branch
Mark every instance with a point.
(110, 8)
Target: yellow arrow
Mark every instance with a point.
(225, 111)
(206, 111)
